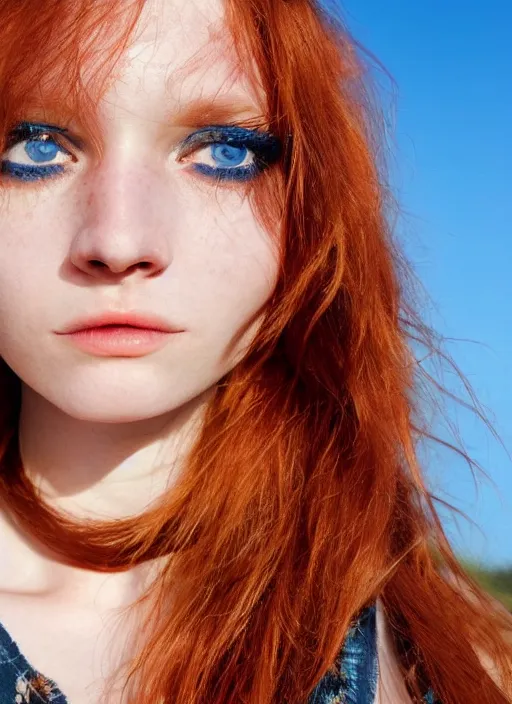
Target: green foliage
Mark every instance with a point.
(497, 582)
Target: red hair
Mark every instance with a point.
(302, 500)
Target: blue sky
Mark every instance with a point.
(452, 63)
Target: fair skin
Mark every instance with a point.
(134, 230)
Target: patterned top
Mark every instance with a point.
(19, 682)
(353, 681)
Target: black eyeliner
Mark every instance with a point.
(28, 130)
(266, 147)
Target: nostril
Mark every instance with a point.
(119, 267)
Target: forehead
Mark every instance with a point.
(187, 23)
(174, 35)
(179, 62)
(182, 51)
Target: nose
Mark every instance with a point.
(122, 229)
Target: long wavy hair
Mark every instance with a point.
(303, 499)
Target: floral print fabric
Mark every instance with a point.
(353, 680)
(19, 682)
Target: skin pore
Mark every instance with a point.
(143, 228)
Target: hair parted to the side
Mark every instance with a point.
(317, 427)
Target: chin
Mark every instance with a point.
(128, 405)
(114, 398)
(109, 413)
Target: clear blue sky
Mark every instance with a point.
(452, 63)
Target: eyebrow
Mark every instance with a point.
(207, 111)
(231, 109)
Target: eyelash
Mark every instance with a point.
(263, 147)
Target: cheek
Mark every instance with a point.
(233, 264)
(222, 269)
(28, 252)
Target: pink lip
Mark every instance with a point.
(120, 334)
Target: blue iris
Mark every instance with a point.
(40, 150)
(229, 148)
(40, 147)
(227, 155)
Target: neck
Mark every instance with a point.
(104, 470)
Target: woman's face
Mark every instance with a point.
(158, 225)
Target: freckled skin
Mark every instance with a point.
(133, 230)
(208, 266)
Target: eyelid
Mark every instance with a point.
(227, 133)
(32, 130)
(263, 143)
(265, 146)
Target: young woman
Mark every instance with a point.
(209, 483)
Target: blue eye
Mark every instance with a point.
(226, 153)
(34, 152)
(42, 150)
(219, 152)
